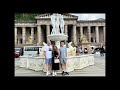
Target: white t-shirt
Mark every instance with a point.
(48, 50)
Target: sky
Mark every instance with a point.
(89, 16)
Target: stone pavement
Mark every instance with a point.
(98, 69)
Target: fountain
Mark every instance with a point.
(57, 35)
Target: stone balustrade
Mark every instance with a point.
(73, 62)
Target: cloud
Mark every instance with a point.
(89, 16)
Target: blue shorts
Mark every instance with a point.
(48, 61)
(63, 60)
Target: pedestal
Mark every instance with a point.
(88, 46)
(57, 38)
(57, 43)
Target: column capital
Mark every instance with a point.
(74, 24)
(48, 24)
(23, 27)
(96, 26)
(38, 25)
(89, 26)
(32, 27)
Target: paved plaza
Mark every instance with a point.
(98, 69)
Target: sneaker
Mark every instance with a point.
(47, 74)
(67, 73)
(55, 74)
(63, 73)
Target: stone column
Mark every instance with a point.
(104, 32)
(66, 31)
(94, 39)
(97, 34)
(39, 34)
(32, 32)
(15, 35)
(81, 31)
(74, 34)
(23, 35)
(48, 32)
(89, 33)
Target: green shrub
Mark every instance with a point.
(25, 16)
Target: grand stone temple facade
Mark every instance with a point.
(39, 29)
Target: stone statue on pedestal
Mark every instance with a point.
(53, 24)
(61, 24)
(84, 39)
(71, 50)
(30, 40)
(56, 21)
(85, 43)
(57, 24)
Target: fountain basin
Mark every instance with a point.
(57, 37)
(73, 62)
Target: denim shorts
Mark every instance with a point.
(48, 61)
(63, 60)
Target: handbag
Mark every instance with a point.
(56, 61)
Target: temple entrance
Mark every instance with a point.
(93, 35)
(28, 33)
(35, 35)
(78, 35)
(101, 35)
(19, 35)
(51, 28)
(44, 31)
(70, 33)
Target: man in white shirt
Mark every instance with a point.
(48, 56)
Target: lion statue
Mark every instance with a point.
(30, 39)
(71, 50)
(84, 39)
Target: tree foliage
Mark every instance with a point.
(25, 16)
